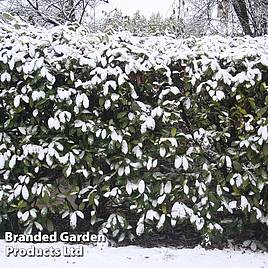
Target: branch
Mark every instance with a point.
(83, 11)
(47, 19)
(74, 7)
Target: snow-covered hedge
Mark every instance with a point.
(132, 134)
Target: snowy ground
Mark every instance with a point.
(131, 257)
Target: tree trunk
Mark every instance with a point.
(240, 8)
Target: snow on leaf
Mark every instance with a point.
(219, 190)
(98, 133)
(114, 136)
(11, 64)
(161, 221)
(162, 151)
(173, 222)
(149, 163)
(68, 171)
(150, 123)
(185, 164)
(151, 215)
(199, 223)
(65, 214)
(121, 171)
(155, 163)
(253, 246)
(72, 159)
(33, 213)
(115, 232)
(114, 97)
(187, 103)
(129, 187)
(114, 191)
(25, 216)
(49, 160)
(174, 90)
(12, 161)
(50, 78)
(161, 199)
(2, 161)
(121, 80)
(178, 161)
(73, 220)
(140, 229)
(38, 226)
(124, 147)
(264, 60)
(186, 189)
(25, 192)
(178, 211)
(244, 203)
(18, 190)
(39, 63)
(22, 130)
(51, 123)
(107, 104)
(211, 93)
(72, 76)
(233, 204)
(36, 95)
(264, 133)
(17, 101)
(141, 187)
(220, 95)
(103, 134)
(168, 187)
(228, 162)
(64, 159)
(80, 214)
(85, 101)
(127, 170)
(5, 77)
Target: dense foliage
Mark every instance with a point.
(132, 134)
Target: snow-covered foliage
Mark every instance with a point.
(139, 25)
(167, 130)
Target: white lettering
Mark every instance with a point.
(8, 237)
(9, 251)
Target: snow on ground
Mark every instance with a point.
(137, 257)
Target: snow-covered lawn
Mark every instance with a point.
(135, 257)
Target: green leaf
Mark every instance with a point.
(121, 115)
(7, 16)
(173, 132)
(265, 149)
(101, 101)
(50, 225)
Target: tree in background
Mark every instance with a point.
(113, 21)
(257, 11)
(189, 17)
(139, 24)
(53, 13)
(251, 14)
(159, 25)
(227, 17)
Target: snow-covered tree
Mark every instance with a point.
(54, 13)
(139, 24)
(227, 17)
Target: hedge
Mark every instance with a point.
(133, 135)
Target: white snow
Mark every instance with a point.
(133, 257)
